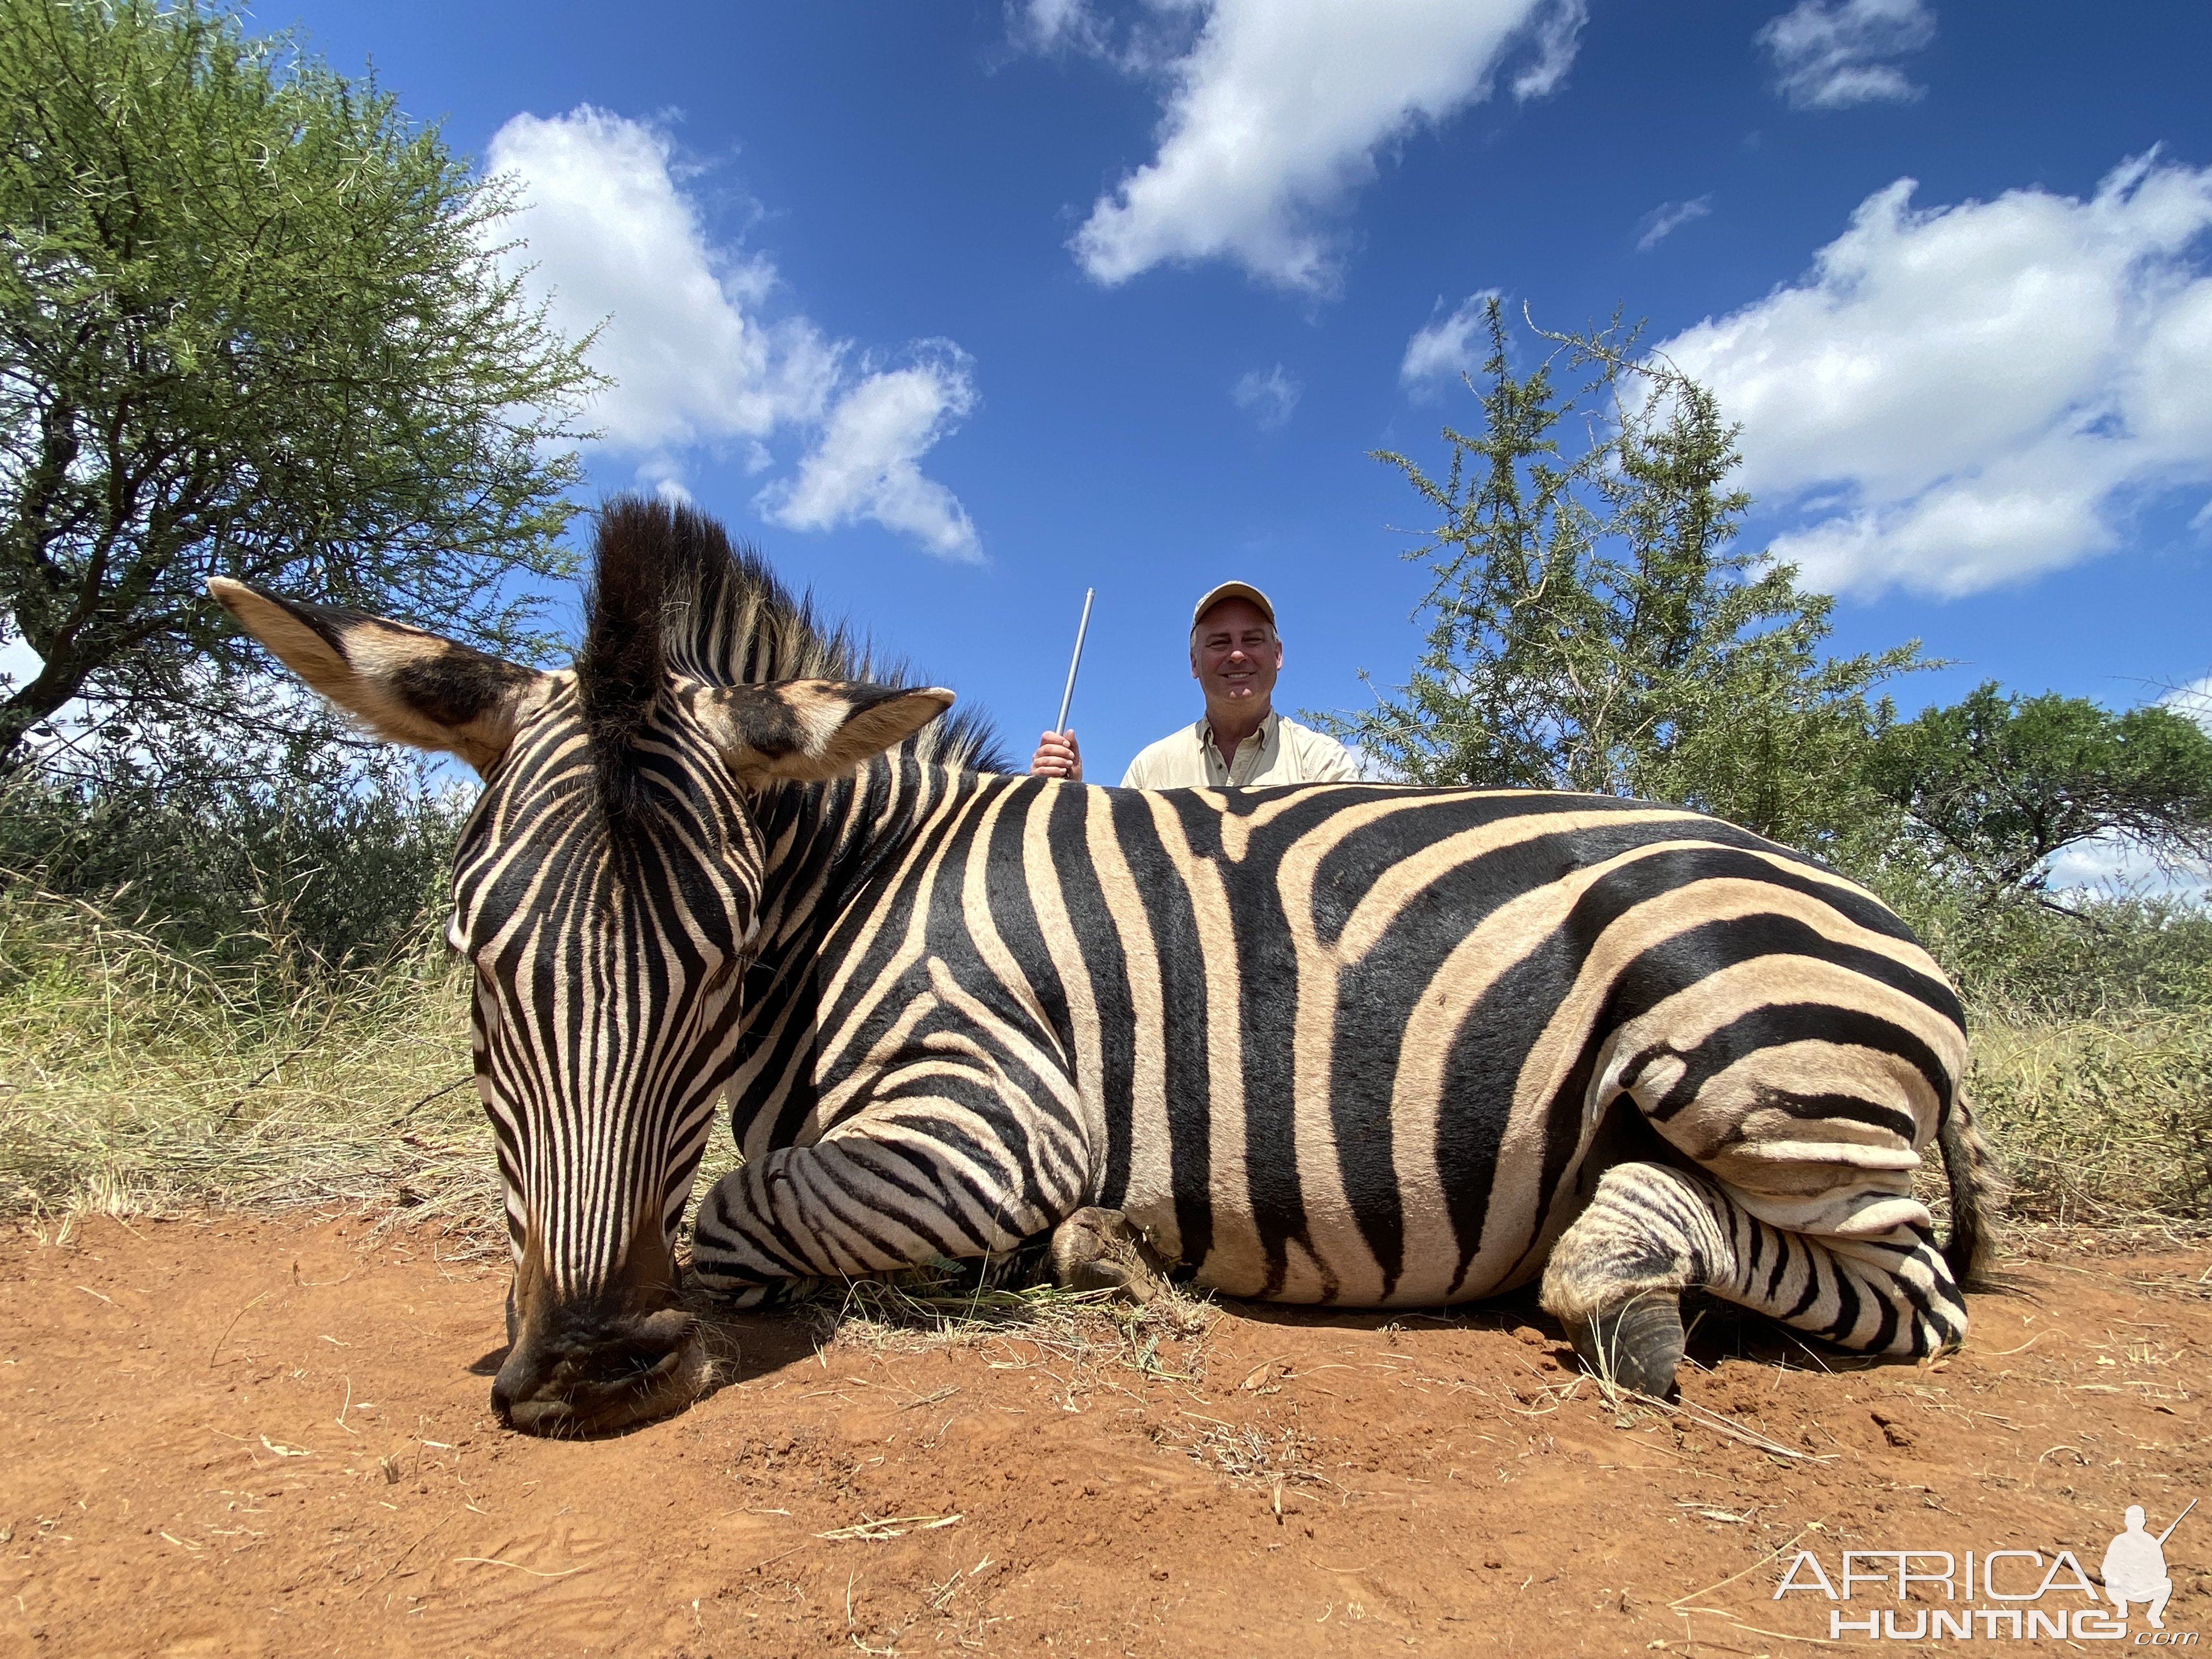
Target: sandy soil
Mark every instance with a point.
(239, 1436)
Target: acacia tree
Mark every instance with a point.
(1595, 624)
(252, 322)
(1992, 787)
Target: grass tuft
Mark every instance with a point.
(135, 1078)
(1093, 1337)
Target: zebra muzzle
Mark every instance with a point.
(593, 1382)
(604, 1361)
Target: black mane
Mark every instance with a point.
(668, 593)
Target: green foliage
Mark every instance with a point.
(252, 323)
(1991, 788)
(343, 862)
(1595, 626)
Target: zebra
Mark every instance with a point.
(1359, 1045)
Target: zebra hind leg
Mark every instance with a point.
(1616, 1278)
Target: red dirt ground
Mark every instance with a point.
(240, 1435)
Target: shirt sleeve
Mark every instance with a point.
(1327, 761)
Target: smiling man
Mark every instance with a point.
(1240, 741)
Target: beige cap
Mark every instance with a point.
(1232, 591)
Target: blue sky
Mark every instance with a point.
(958, 309)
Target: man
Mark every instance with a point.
(2135, 1569)
(1235, 656)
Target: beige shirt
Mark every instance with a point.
(1280, 751)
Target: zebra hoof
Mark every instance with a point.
(1636, 1345)
(1097, 1249)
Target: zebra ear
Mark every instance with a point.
(810, 730)
(402, 684)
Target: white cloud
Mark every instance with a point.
(685, 333)
(1962, 397)
(1445, 346)
(1270, 396)
(2193, 699)
(614, 238)
(863, 463)
(1555, 36)
(1276, 112)
(666, 478)
(2112, 863)
(1668, 218)
(1050, 26)
(1141, 40)
(1829, 54)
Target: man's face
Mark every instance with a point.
(1235, 656)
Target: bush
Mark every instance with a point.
(342, 865)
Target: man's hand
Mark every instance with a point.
(1058, 755)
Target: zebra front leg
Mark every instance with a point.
(875, 1194)
(1616, 1278)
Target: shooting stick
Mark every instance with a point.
(1076, 662)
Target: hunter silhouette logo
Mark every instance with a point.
(1993, 1594)
(2135, 1566)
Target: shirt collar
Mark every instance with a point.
(1266, 731)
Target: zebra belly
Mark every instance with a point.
(1314, 1247)
(1336, 1269)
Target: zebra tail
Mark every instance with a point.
(1977, 1193)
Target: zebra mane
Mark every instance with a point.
(668, 593)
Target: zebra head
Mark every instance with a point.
(607, 890)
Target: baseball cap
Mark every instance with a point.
(1232, 591)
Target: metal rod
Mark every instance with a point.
(1075, 661)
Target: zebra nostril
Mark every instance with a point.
(669, 1328)
(586, 1383)
(508, 1389)
(653, 1343)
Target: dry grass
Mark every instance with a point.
(1081, 1339)
(2106, 1121)
(133, 1078)
(1252, 1454)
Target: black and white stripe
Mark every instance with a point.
(1336, 1043)
(599, 949)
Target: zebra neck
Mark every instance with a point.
(830, 851)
